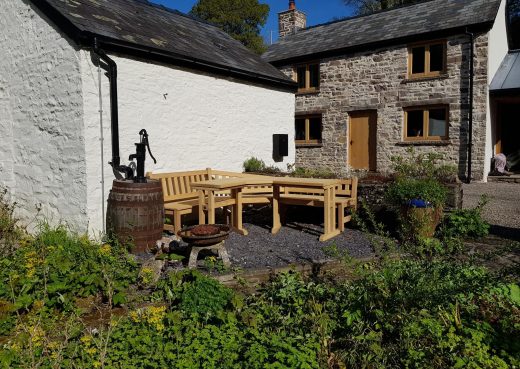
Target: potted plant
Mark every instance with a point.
(420, 201)
(418, 191)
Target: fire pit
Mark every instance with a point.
(206, 237)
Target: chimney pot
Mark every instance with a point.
(292, 5)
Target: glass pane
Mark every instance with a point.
(437, 58)
(415, 123)
(513, 27)
(418, 58)
(314, 71)
(315, 128)
(300, 130)
(437, 123)
(301, 76)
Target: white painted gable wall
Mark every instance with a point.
(42, 157)
(50, 108)
(195, 121)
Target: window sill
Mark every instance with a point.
(424, 143)
(307, 92)
(308, 145)
(425, 78)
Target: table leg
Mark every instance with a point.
(329, 225)
(202, 203)
(211, 207)
(276, 210)
(237, 218)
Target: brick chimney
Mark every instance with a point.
(290, 21)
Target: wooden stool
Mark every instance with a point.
(222, 253)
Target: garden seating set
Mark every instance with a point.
(206, 190)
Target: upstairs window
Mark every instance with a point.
(513, 24)
(427, 60)
(308, 77)
(308, 130)
(426, 123)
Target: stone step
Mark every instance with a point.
(514, 178)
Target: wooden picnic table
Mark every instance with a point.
(308, 184)
(208, 190)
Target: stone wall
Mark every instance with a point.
(377, 80)
(291, 21)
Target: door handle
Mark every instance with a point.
(351, 142)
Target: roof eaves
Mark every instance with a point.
(85, 39)
(478, 27)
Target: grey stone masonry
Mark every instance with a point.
(290, 21)
(377, 80)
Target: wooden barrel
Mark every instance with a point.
(135, 213)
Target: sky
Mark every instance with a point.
(318, 11)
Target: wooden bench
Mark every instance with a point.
(180, 199)
(345, 198)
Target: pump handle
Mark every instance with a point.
(147, 143)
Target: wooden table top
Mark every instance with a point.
(295, 181)
(227, 183)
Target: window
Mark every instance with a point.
(427, 123)
(308, 77)
(308, 130)
(427, 60)
(513, 24)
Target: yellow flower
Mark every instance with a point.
(86, 340)
(134, 315)
(37, 335)
(91, 350)
(38, 304)
(155, 316)
(105, 250)
(147, 275)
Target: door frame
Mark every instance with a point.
(372, 140)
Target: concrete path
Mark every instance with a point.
(503, 209)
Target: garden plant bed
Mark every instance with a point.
(296, 243)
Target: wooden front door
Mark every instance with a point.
(362, 140)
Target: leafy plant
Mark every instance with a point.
(56, 267)
(403, 190)
(10, 232)
(313, 173)
(423, 166)
(466, 223)
(253, 165)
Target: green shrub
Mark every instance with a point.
(423, 166)
(10, 232)
(56, 267)
(253, 165)
(466, 223)
(419, 314)
(313, 173)
(402, 190)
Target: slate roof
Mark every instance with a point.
(383, 27)
(159, 32)
(507, 78)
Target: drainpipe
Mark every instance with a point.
(114, 115)
(470, 125)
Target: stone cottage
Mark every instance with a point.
(205, 100)
(372, 86)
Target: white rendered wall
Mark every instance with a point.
(194, 121)
(42, 156)
(497, 50)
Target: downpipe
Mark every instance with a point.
(470, 122)
(114, 114)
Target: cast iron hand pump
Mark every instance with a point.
(140, 156)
